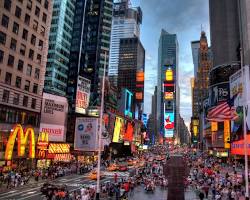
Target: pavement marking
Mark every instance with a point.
(30, 196)
(16, 193)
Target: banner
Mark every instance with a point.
(118, 129)
(82, 95)
(86, 131)
(237, 147)
(227, 134)
(128, 136)
(54, 117)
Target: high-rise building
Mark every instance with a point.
(195, 45)
(244, 6)
(168, 86)
(125, 24)
(131, 69)
(224, 30)
(90, 43)
(59, 47)
(24, 33)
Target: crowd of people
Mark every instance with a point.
(213, 178)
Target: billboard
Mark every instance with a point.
(86, 131)
(169, 124)
(227, 134)
(118, 130)
(237, 147)
(218, 93)
(169, 75)
(169, 95)
(128, 136)
(54, 117)
(128, 103)
(82, 95)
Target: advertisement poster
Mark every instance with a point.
(118, 130)
(218, 93)
(169, 124)
(54, 116)
(129, 132)
(86, 131)
(82, 95)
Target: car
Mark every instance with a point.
(93, 175)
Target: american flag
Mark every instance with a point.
(222, 112)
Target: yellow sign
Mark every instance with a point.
(214, 126)
(117, 130)
(169, 75)
(59, 148)
(226, 134)
(43, 139)
(195, 130)
(196, 122)
(22, 137)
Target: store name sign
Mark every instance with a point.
(59, 148)
(23, 136)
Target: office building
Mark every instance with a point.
(195, 45)
(125, 24)
(168, 87)
(60, 36)
(131, 69)
(24, 33)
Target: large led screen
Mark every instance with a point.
(169, 124)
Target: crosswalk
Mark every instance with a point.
(119, 174)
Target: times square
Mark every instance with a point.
(124, 99)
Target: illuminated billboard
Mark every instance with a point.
(169, 75)
(117, 129)
(140, 76)
(128, 103)
(169, 124)
(169, 95)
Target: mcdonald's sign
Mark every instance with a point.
(23, 136)
(43, 139)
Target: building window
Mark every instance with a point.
(40, 45)
(46, 4)
(42, 31)
(2, 38)
(37, 11)
(5, 21)
(33, 40)
(13, 44)
(35, 25)
(1, 56)
(31, 54)
(7, 4)
(44, 17)
(11, 60)
(18, 12)
(20, 65)
(25, 34)
(6, 95)
(39, 58)
(37, 73)
(25, 101)
(18, 82)
(15, 28)
(16, 98)
(35, 88)
(22, 49)
(33, 103)
(27, 85)
(29, 70)
(27, 19)
(29, 4)
(8, 77)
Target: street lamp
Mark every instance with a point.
(100, 132)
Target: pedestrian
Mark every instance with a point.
(115, 177)
(201, 195)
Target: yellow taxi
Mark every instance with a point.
(93, 175)
(113, 167)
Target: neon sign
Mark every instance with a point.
(22, 136)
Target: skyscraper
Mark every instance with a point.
(125, 24)
(224, 29)
(168, 85)
(195, 45)
(131, 68)
(90, 43)
(59, 47)
(24, 33)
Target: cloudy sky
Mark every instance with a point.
(183, 17)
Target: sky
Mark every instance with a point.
(185, 18)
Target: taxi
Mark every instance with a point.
(112, 167)
(93, 175)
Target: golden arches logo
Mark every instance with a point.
(22, 136)
(43, 139)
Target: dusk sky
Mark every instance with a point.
(183, 17)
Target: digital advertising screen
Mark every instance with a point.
(169, 124)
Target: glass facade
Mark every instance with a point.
(59, 47)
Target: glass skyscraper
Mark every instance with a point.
(168, 101)
(59, 47)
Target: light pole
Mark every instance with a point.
(100, 133)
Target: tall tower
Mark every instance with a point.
(24, 33)
(57, 68)
(125, 24)
(168, 86)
